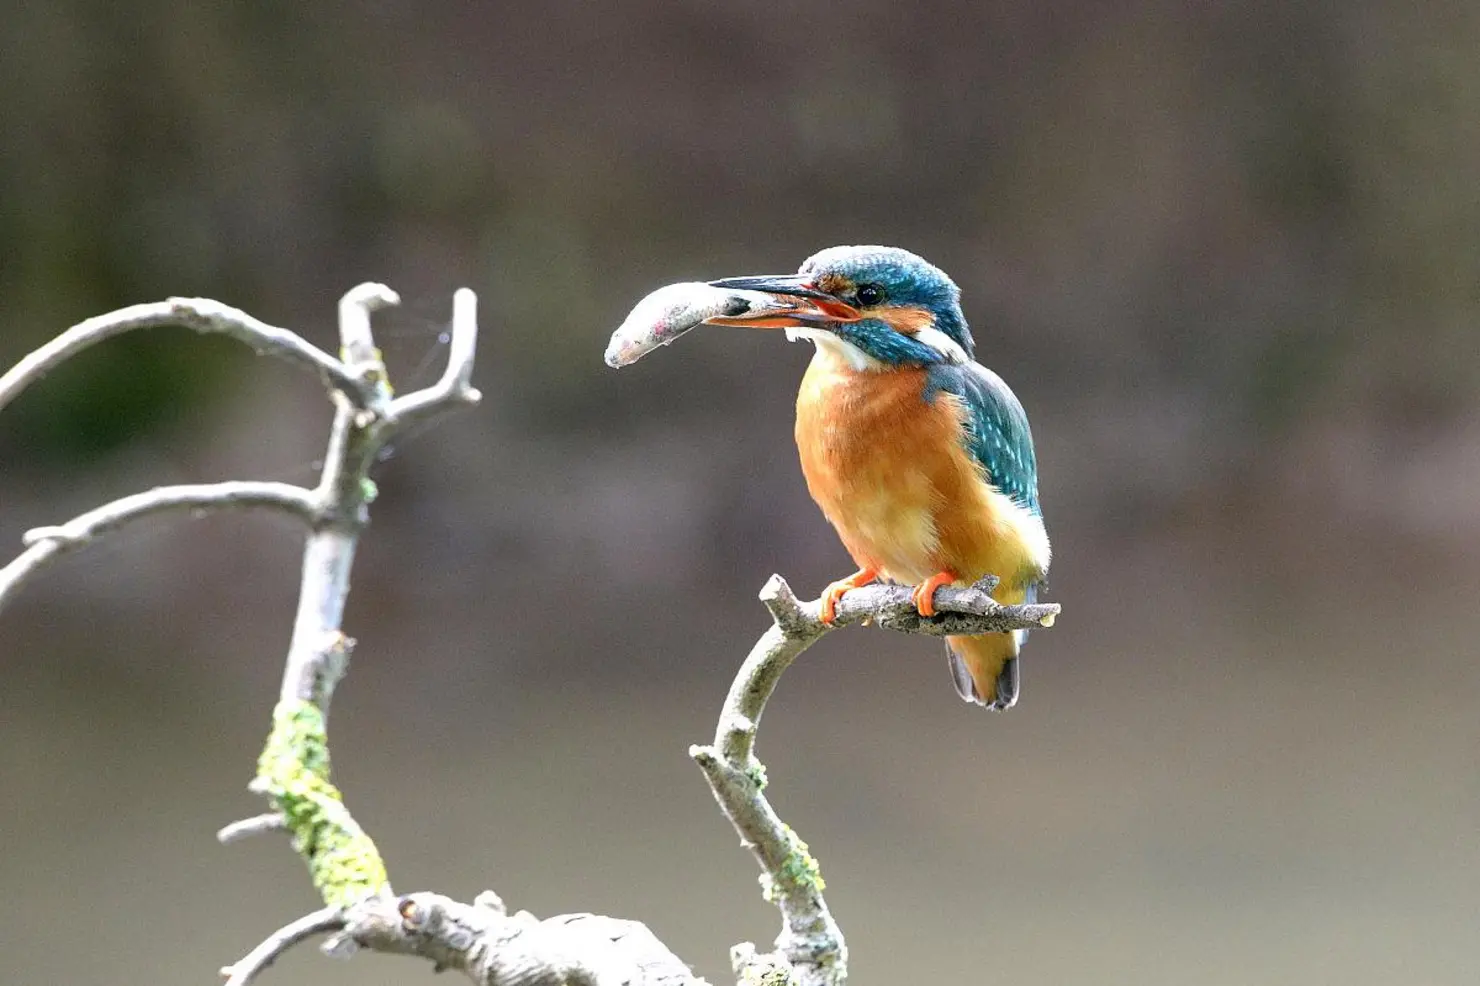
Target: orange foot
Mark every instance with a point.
(834, 592)
(924, 594)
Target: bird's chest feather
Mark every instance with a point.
(891, 473)
(874, 455)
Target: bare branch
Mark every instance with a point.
(961, 610)
(494, 948)
(455, 389)
(324, 920)
(204, 316)
(247, 827)
(46, 544)
(811, 945)
(355, 338)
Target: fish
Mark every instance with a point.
(669, 312)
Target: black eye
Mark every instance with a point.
(869, 295)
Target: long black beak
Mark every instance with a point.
(820, 309)
(791, 284)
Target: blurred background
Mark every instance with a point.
(1225, 253)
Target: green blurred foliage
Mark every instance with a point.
(142, 383)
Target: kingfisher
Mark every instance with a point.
(920, 457)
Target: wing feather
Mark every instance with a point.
(996, 429)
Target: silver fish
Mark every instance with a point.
(671, 311)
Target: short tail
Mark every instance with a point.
(985, 669)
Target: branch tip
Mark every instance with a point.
(488, 900)
(36, 535)
(782, 603)
(774, 588)
(356, 340)
(248, 827)
(454, 389)
(245, 969)
(370, 296)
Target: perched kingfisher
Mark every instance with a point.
(920, 457)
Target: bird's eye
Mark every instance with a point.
(869, 295)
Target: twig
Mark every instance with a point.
(455, 388)
(201, 315)
(245, 969)
(247, 827)
(356, 341)
(810, 943)
(46, 544)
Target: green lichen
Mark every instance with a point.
(767, 975)
(293, 771)
(798, 873)
(800, 869)
(756, 771)
(753, 969)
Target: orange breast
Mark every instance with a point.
(891, 475)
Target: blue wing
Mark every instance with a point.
(997, 433)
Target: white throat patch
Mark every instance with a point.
(840, 349)
(942, 343)
(857, 359)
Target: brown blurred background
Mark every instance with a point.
(1226, 254)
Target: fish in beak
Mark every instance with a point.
(670, 311)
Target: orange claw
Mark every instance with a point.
(924, 594)
(834, 592)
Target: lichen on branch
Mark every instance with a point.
(293, 772)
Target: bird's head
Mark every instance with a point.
(881, 307)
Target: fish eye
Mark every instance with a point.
(869, 295)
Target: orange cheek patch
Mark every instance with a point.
(907, 320)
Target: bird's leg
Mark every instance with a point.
(924, 594)
(834, 591)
